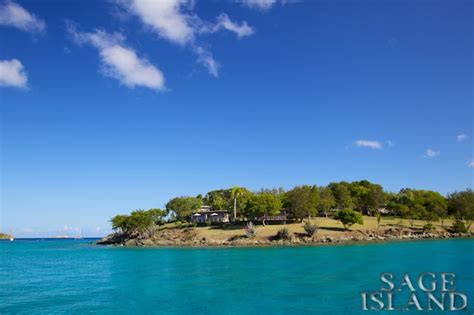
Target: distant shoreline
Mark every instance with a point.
(4, 236)
(52, 238)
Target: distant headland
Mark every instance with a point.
(4, 236)
(341, 212)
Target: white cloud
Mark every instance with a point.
(461, 137)
(372, 144)
(119, 61)
(165, 17)
(259, 4)
(470, 164)
(12, 74)
(173, 20)
(12, 14)
(205, 58)
(430, 153)
(242, 30)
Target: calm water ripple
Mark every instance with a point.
(75, 277)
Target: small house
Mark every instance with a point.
(206, 214)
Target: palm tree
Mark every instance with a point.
(235, 193)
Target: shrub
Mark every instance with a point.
(250, 230)
(283, 234)
(428, 227)
(349, 217)
(183, 225)
(310, 228)
(459, 227)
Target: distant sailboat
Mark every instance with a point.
(79, 235)
(11, 239)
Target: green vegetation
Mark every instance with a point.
(283, 234)
(428, 227)
(461, 206)
(236, 193)
(343, 201)
(138, 222)
(349, 217)
(310, 228)
(250, 230)
(302, 201)
(183, 207)
(459, 227)
(262, 205)
(378, 215)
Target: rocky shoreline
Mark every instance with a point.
(189, 238)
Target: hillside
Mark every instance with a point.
(329, 231)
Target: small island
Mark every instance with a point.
(341, 212)
(4, 236)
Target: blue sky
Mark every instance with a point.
(111, 106)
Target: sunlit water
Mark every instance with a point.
(75, 276)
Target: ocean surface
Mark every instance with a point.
(77, 277)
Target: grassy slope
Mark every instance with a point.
(329, 227)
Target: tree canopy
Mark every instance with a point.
(306, 201)
(183, 207)
(262, 205)
(139, 221)
(302, 201)
(349, 217)
(461, 205)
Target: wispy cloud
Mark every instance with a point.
(174, 20)
(14, 15)
(431, 153)
(12, 74)
(259, 4)
(461, 137)
(371, 144)
(119, 61)
(470, 163)
(389, 143)
(205, 58)
(241, 30)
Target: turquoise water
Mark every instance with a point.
(75, 277)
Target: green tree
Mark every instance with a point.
(461, 206)
(218, 199)
(237, 193)
(120, 223)
(367, 197)
(140, 221)
(183, 207)
(435, 205)
(326, 201)
(342, 195)
(157, 215)
(349, 217)
(135, 224)
(302, 201)
(263, 205)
